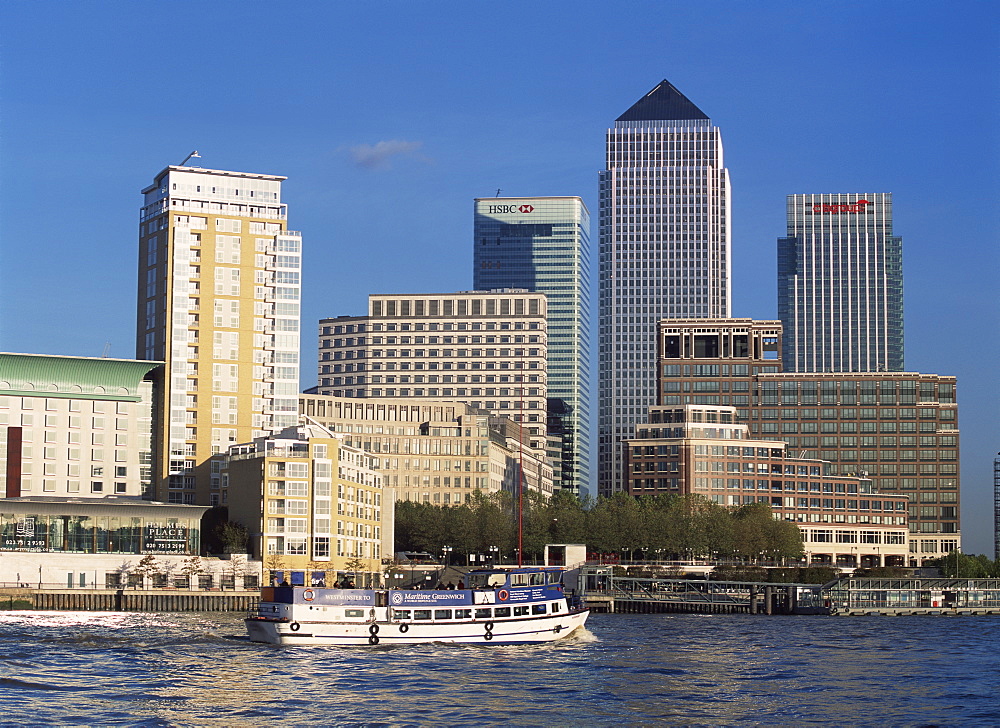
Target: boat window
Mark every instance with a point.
(501, 612)
(555, 577)
(421, 614)
(354, 612)
(484, 613)
(465, 613)
(484, 580)
(403, 614)
(537, 578)
(555, 606)
(520, 611)
(442, 614)
(519, 579)
(538, 609)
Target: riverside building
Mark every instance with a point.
(840, 284)
(76, 427)
(703, 450)
(488, 349)
(433, 451)
(218, 301)
(542, 244)
(900, 429)
(664, 252)
(313, 505)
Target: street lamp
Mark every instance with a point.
(493, 554)
(446, 555)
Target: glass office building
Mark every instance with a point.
(664, 252)
(840, 285)
(542, 244)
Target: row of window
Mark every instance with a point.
(480, 613)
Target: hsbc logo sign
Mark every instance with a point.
(507, 209)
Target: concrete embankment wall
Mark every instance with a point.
(129, 600)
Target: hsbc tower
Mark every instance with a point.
(542, 244)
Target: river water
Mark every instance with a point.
(88, 668)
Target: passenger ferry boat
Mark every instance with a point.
(510, 606)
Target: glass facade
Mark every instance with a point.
(840, 285)
(664, 252)
(542, 244)
(99, 534)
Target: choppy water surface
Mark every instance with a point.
(189, 669)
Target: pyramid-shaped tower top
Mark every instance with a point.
(663, 103)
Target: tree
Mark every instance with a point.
(234, 537)
(274, 563)
(192, 567)
(148, 567)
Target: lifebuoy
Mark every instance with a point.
(308, 595)
(294, 626)
(404, 628)
(503, 595)
(373, 639)
(373, 629)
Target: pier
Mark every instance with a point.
(851, 596)
(605, 592)
(127, 600)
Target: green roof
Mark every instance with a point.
(72, 377)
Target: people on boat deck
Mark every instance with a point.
(336, 584)
(348, 584)
(461, 584)
(451, 585)
(440, 586)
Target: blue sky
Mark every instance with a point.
(390, 117)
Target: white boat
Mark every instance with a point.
(498, 606)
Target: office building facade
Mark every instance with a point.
(840, 284)
(218, 301)
(542, 244)
(664, 252)
(435, 452)
(703, 450)
(485, 348)
(900, 429)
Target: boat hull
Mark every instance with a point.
(516, 631)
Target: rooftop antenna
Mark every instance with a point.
(498, 191)
(107, 350)
(188, 157)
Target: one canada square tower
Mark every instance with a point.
(664, 252)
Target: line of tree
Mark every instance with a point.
(968, 566)
(660, 528)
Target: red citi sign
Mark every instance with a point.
(819, 208)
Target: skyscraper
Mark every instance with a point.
(542, 244)
(218, 301)
(664, 252)
(840, 285)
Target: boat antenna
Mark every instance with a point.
(520, 473)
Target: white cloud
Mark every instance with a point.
(379, 155)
